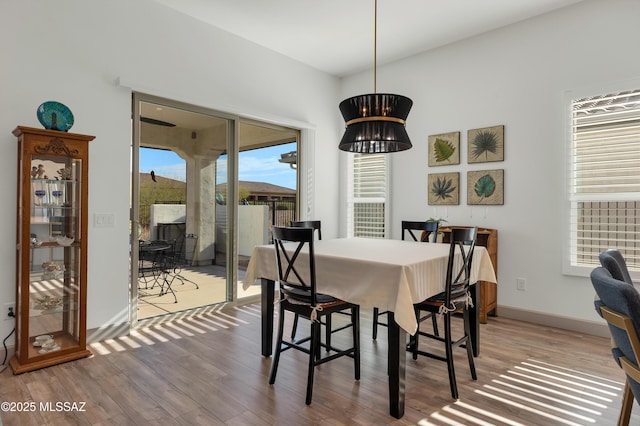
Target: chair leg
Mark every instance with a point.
(412, 347)
(467, 344)
(313, 349)
(316, 347)
(449, 355)
(627, 404)
(376, 312)
(434, 321)
(276, 355)
(327, 331)
(413, 340)
(295, 327)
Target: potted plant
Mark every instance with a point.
(440, 222)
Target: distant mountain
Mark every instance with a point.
(172, 190)
(145, 179)
(162, 190)
(259, 188)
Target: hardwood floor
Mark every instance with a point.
(206, 369)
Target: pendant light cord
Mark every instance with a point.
(375, 45)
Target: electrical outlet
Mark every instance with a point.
(9, 307)
(521, 284)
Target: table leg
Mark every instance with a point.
(266, 296)
(396, 366)
(474, 318)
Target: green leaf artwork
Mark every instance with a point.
(443, 150)
(442, 188)
(485, 186)
(484, 143)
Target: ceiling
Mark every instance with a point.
(251, 135)
(337, 36)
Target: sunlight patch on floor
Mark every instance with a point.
(188, 323)
(537, 393)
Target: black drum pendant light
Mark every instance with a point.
(375, 123)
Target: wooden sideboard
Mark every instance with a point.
(488, 291)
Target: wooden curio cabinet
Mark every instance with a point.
(51, 261)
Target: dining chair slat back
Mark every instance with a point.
(428, 230)
(316, 225)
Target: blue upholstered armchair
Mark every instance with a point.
(619, 304)
(613, 261)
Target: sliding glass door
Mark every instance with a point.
(209, 186)
(267, 188)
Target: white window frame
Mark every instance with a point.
(571, 264)
(353, 198)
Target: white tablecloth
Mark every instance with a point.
(389, 274)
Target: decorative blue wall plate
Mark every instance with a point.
(55, 116)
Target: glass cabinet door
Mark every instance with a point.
(54, 273)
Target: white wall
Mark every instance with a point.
(75, 51)
(515, 76)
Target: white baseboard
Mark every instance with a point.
(93, 335)
(111, 331)
(595, 328)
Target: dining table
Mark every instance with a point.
(391, 275)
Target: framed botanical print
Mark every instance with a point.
(444, 189)
(485, 145)
(444, 149)
(485, 187)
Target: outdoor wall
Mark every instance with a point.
(165, 213)
(253, 229)
(517, 77)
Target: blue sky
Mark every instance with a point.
(259, 165)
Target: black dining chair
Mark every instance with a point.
(619, 304)
(316, 225)
(298, 294)
(455, 298)
(424, 231)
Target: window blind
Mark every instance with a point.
(605, 177)
(369, 195)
